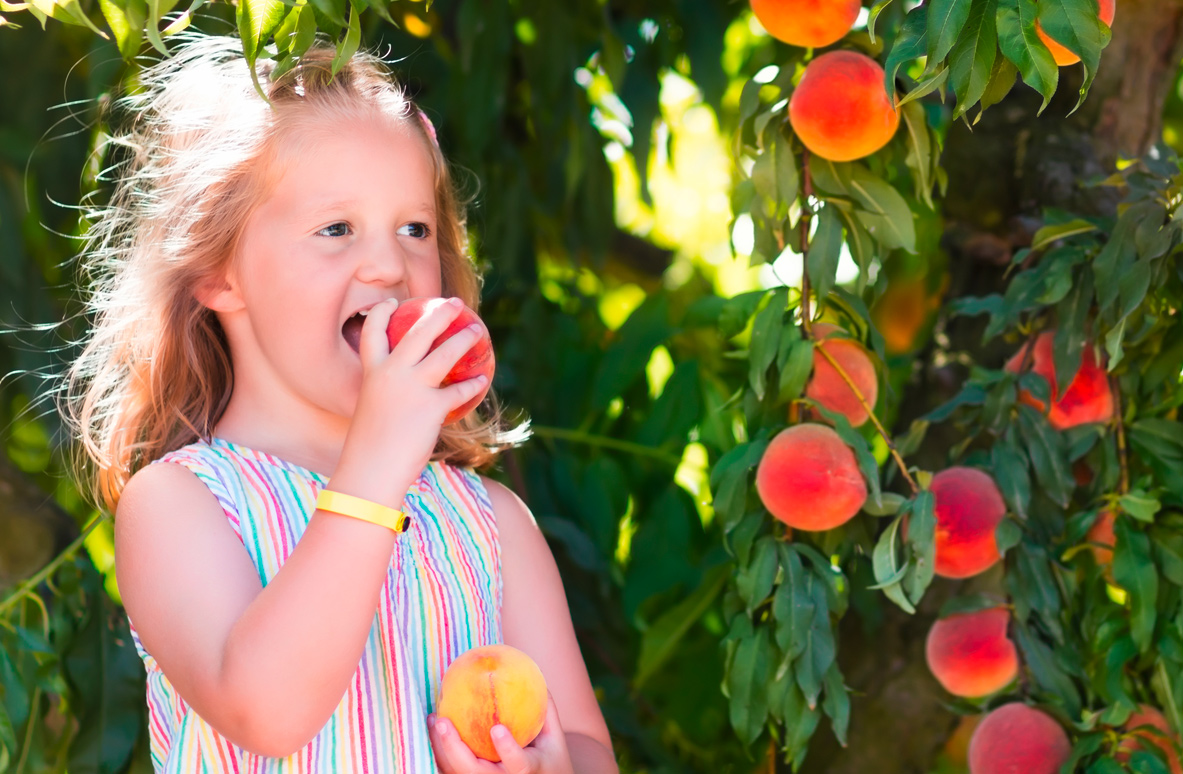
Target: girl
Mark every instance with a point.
(242, 278)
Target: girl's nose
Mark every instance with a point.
(383, 262)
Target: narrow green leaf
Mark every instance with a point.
(971, 60)
(889, 566)
(1134, 571)
(824, 251)
(1020, 44)
(922, 541)
(1001, 81)
(946, 18)
(1075, 24)
(661, 639)
(765, 341)
(884, 212)
(837, 703)
(754, 581)
(920, 151)
(747, 679)
(792, 607)
(1046, 235)
(794, 367)
(348, 45)
(910, 43)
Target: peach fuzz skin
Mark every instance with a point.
(1063, 56)
(807, 23)
(840, 110)
(1017, 738)
(968, 509)
(809, 479)
(1087, 399)
(831, 390)
(969, 653)
(477, 361)
(491, 685)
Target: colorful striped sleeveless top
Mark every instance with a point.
(442, 596)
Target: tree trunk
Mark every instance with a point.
(1002, 174)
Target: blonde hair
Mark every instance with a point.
(155, 371)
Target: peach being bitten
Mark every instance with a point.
(490, 685)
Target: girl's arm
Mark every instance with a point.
(267, 666)
(535, 619)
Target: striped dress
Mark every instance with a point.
(442, 596)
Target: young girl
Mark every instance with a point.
(242, 278)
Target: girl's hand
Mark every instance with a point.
(547, 754)
(401, 406)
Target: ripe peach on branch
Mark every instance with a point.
(1148, 725)
(1088, 398)
(826, 385)
(809, 478)
(969, 508)
(970, 654)
(1106, 11)
(1016, 738)
(840, 109)
(807, 23)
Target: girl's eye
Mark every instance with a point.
(416, 230)
(335, 230)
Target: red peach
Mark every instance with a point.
(1087, 399)
(1017, 739)
(831, 390)
(840, 109)
(807, 23)
(1102, 533)
(1107, 9)
(809, 479)
(1167, 740)
(969, 653)
(477, 361)
(969, 508)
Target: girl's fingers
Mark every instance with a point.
(418, 339)
(442, 359)
(513, 757)
(373, 345)
(452, 754)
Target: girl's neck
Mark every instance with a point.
(312, 442)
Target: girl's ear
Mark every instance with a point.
(219, 294)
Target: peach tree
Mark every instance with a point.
(926, 470)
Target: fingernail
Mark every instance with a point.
(475, 328)
(500, 732)
(482, 379)
(455, 301)
(441, 728)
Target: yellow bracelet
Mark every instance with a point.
(366, 510)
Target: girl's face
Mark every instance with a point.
(349, 221)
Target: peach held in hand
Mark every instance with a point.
(490, 685)
(809, 479)
(478, 360)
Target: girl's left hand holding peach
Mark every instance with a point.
(547, 754)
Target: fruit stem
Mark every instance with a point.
(1123, 456)
(577, 436)
(899, 461)
(806, 191)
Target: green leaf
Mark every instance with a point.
(920, 151)
(1048, 673)
(946, 18)
(889, 566)
(792, 607)
(1008, 463)
(873, 16)
(925, 87)
(1046, 235)
(837, 703)
(1075, 24)
(1007, 535)
(1134, 571)
(333, 10)
(1021, 45)
(765, 341)
(1045, 447)
(922, 541)
(127, 20)
(729, 481)
(882, 210)
(819, 651)
(754, 581)
(747, 678)
(795, 363)
(824, 251)
(910, 43)
(800, 722)
(1002, 80)
(1140, 505)
(971, 60)
(624, 362)
(349, 44)
(661, 639)
(257, 19)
